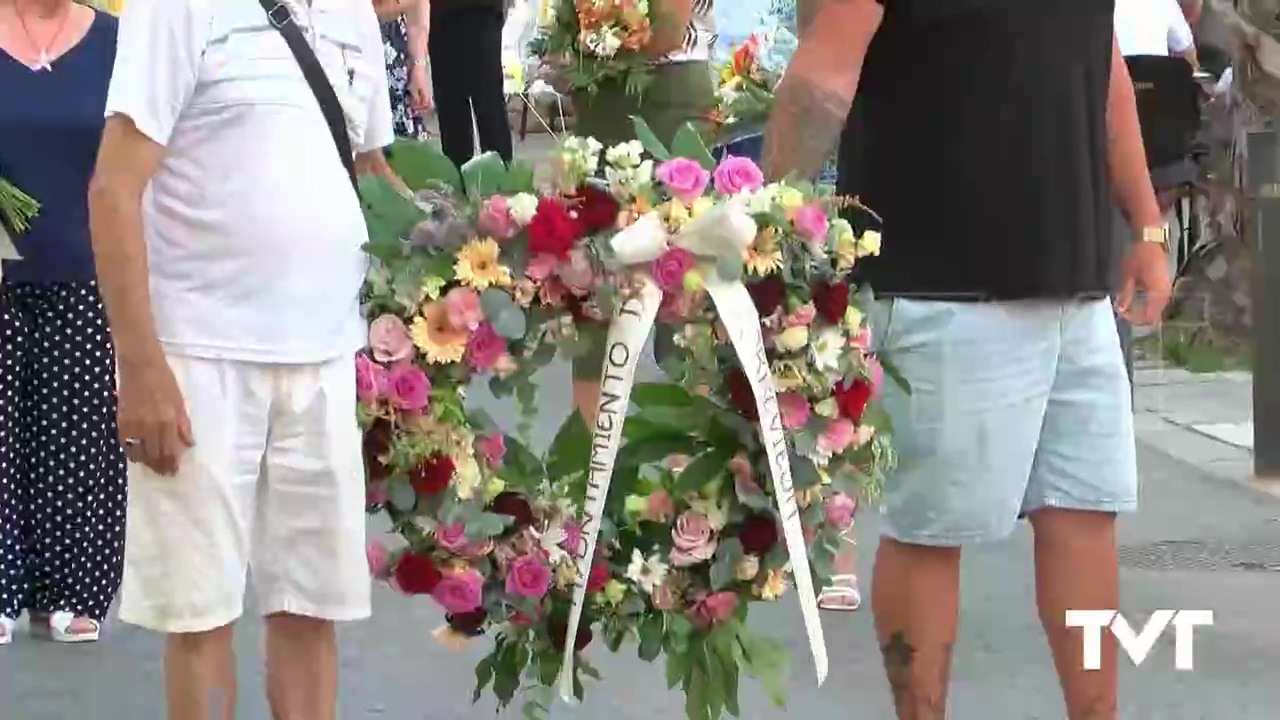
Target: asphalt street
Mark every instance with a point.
(1198, 543)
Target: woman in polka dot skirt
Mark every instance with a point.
(62, 469)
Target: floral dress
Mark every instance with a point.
(395, 41)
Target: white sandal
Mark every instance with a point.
(56, 627)
(841, 595)
(6, 630)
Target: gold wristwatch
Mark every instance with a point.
(1156, 234)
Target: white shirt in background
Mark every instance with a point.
(1152, 27)
(253, 230)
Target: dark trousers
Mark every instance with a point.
(466, 71)
(62, 469)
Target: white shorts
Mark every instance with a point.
(275, 482)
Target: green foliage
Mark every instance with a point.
(688, 143)
(484, 175)
(389, 215)
(649, 139)
(422, 165)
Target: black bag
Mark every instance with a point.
(1168, 107)
(282, 19)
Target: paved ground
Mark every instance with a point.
(1202, 542)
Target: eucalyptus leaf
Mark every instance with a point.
(649, 140)
(484, 175)
(483, 526)
(402, 497)
(501, 387)
(421, 164)
(804, 473)
(484, 676)
(510, 323)
(728, 556)
(729, 269)
(651, 631)
(688, 144)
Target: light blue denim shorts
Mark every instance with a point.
(1013, 407)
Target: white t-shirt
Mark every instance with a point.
(252, 228)
(1152, 27)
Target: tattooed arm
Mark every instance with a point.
(813, 99)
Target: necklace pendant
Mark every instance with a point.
(43, 63)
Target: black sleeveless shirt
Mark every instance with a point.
(979, 136)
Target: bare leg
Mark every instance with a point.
(915, 597)
(1077, 569)
(200, 675)
(302, 668)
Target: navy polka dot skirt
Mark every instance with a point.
(62, 470)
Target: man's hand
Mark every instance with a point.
(1146, 270)
(154, 427)
(419, 90)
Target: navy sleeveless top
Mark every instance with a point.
(50, 127)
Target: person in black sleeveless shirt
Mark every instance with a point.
(993, 137)
(466, 71)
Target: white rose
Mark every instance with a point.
(522, 207)
(626, 155)
(793, 339)
(827, 348)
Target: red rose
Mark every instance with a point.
(432, 475)
(515, 507)
(519, 619)
(599, 576)
(468, 623)
(758, 534)
(831, 300)
(596, 209)
(416, 574)
(852, 399)
(740, 395)
(553, 231)
(767, 294)
(558, 628)
(377, 443)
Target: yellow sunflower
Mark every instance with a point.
(764, 256)
(478, 265)
(436, 337)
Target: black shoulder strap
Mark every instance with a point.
(282, 19)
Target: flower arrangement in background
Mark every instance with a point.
(744, 94)
(482, 275)
(598, 41)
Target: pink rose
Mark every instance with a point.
(837, 436)
(379, 560)
(811, 222)
(462, 308)
(371, 379)
(669, 269)
(738, 174)
(685, 178)
(659, 507)
(540, 267)
(389, 339)
(408, 388)
(460, 591)
(492, 447)
(875, 373)
(693, 540)
(740, 468)
(714, 608)
(528, 576)
(802, 317)
(452, 537)
(576, 273)
(485, 347)
(795, 410)
(495, 218)
(839, 509)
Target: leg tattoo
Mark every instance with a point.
(910, 701)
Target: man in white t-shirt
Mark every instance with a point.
(1154, 27)
(228, 240)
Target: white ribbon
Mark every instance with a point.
(723, 231)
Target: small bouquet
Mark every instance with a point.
(17, 209)
(599, 41)
(744, 96)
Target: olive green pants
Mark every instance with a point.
(680, 94)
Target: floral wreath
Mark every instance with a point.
(482, 275)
